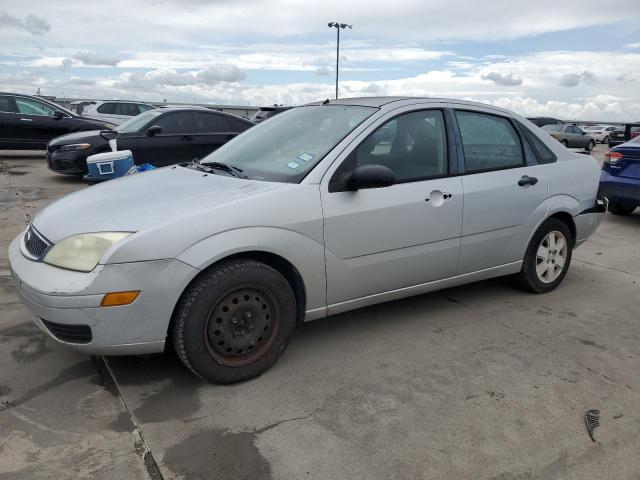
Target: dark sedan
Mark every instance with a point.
(160, 137)
(28, 123)
(620, 179)
(624, 134)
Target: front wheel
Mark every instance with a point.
(547, 258)
(234, 321)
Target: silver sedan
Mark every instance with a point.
(323, 209)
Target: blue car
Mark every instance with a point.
(620, 177)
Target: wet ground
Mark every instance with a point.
(480, 381)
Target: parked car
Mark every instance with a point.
(115, 111)
(542, 121)
(28, 123)
(162, 136)
(570, 136)
(623, 134)
(601, 132)
(307, 215)
(620, 179)
(267, 112)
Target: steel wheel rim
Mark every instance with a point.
(241, 326)
(551, 256)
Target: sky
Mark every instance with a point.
(568, 59)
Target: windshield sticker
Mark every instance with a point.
(306, 157)
(293, 165)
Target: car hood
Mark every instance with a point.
(89, 136)
(142, 201)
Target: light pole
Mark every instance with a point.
(338, 27)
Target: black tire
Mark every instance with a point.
(528, 277)
(606, 140)
(590, 145)
(227, 308)
(618, 208)
(565, 143)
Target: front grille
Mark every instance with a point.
(69, 333)
(35, 244)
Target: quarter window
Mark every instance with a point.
(28, 106)
(413, 145)
(542, 153)
(489, 142)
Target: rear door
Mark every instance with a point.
(212, 131)
(9, 123)
(174, 144)
(504, 192)
(575, 137)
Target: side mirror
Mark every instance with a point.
(154, 130)
(108, 134)
(58, 115)
(371, 176)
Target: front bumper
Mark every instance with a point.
(70, 299)
(68, 163)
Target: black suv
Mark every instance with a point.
(28, 123)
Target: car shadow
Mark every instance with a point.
(150, 369)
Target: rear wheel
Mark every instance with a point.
(606, 140)
(547, 258)
(618, 208)
(234, 321)
(590, 145)
(565, 143)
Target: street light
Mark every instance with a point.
(338, 27)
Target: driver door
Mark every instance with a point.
(380, 240)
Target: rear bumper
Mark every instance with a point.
(620, 188)
(588, 221)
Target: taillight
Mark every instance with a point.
(613, 157)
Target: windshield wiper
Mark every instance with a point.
(235, 171)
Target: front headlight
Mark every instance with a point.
(82, 252)
(75, 147)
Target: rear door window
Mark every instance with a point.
(211, 123)
(176, 122)
(489, 142)
(6, 104)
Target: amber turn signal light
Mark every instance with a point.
(117, 299)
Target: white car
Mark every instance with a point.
(601, 132)
(115, 111)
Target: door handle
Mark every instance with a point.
(26, 119)
(437, 198)
(186, 138)
(527, 180)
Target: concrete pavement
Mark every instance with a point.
(482, 381)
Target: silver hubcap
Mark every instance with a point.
(551, 257)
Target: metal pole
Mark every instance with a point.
(337, 59)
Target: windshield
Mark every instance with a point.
(134, 124)
(554, 127)
(289, 145)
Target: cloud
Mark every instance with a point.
(633, 45)
(31, 23)
(573, 79)
(221, 73)
(169, 77)
(372, 88)
(323, 71)
(92, 58)
(503, 80)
